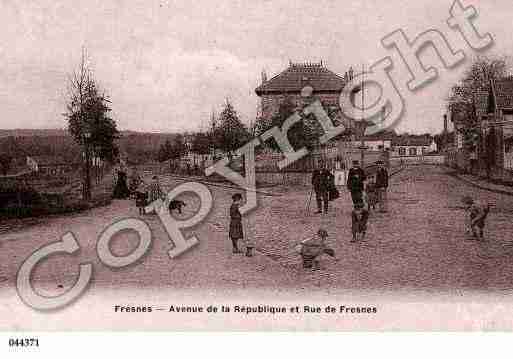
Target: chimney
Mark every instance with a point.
(351, 73)
(264, 77)
(445, 123)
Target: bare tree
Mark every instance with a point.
(88, 112)
(88, 119)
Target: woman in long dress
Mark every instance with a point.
(121, 190)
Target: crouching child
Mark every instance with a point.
(476, 217)
(313, 248)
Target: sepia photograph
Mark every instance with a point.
(327, 166)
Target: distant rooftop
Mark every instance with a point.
(298, 75)
(412, 141)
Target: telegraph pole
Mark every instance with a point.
(362, 140)
(383, 115)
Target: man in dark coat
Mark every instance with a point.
(121, 190)
(382, 186)
(355, 182)
(320, 183)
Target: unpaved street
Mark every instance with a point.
(419, 245)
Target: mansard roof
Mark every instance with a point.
(297, 76)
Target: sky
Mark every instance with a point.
(166, 65)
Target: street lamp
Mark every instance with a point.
(87, 184)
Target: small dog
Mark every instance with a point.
(176, 204)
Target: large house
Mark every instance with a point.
(492, 152)
(413, 146)
(496, 146)
(412, 149)
(288, 84)
(327, 87)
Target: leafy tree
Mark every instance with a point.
(304, 133)
(179, 147)
(201, 143)
(230, 133)
(165, 151)
(172, 150)
(88, 112)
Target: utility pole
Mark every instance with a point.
(362, 139)
(383, 115)
(87, 184)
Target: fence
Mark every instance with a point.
(418, 160)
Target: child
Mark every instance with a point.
(372, 196)
(140, 197)
(359, 217)
(312, 248)
(236, 231)
(155, 192)
(476, 217)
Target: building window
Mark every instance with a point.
(508, 145)
(413, 151)
(402, 151)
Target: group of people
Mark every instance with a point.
(147, 193)
(364, 197)
(143, 193)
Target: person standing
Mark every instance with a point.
(121, 190)
(382, 186)
(140, 197)
(320, 184)
(134, 181)
(236, 232)
(355, 182)
(359, 218)
(154, 191)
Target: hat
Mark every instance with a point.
(322, 233)
(236, 196)
(467, 200)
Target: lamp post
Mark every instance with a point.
(87, 184)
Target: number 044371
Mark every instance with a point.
(24, 342)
